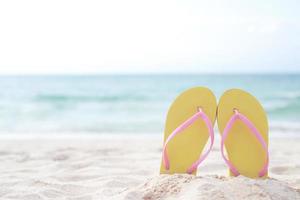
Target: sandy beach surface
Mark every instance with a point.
(122, 166)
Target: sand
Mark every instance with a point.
(126, 167)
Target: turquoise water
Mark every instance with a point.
(129, 103)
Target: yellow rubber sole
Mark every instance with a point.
(185, 148)
(242, 147)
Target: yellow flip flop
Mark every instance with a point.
(243, 125)
(190, 118)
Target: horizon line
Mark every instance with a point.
(150, 73)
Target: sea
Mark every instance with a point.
(135, 104)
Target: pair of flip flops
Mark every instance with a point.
(242, 123)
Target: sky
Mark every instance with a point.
(142, 36)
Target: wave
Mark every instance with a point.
(285, 96)
(291, 95)
(284, 107)
(288, 103)
(85, 98)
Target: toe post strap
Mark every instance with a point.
(200, 114)
(239, 116)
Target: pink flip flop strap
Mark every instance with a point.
(238, 116)
(179, 129)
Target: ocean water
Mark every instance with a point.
(129, 103)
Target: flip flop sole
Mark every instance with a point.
(187, 146)
(243, 149)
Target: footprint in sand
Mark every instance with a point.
(60, 157)
(281, 170)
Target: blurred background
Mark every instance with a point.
(68, 67)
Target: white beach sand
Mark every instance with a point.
(126, 167)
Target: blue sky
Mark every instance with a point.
(158, 36)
